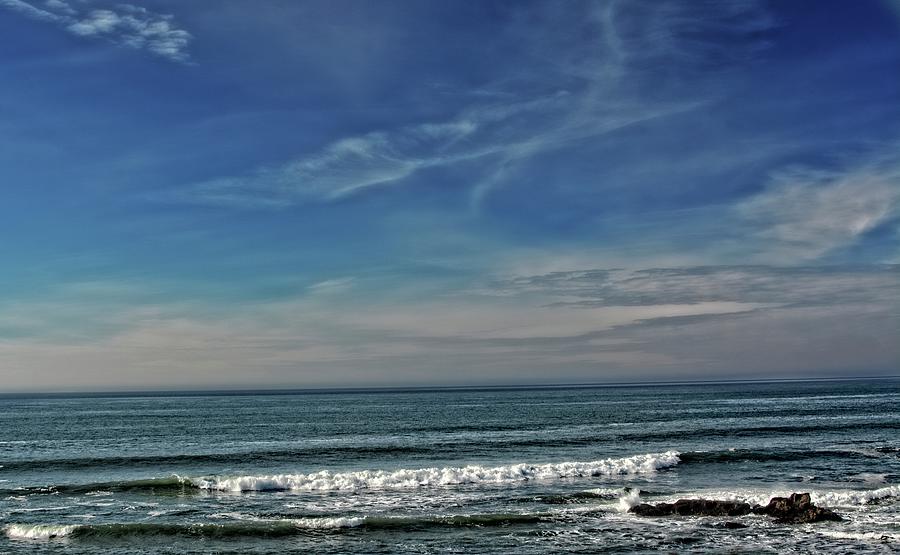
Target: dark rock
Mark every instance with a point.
(693, 507)
(733, 525)
(646, 509)
(796, 509)
(706, 507)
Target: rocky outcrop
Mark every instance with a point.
(796, 509)
(694, 507)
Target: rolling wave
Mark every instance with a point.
(447, 476)
(162, 486)
(282, 455)
(326, 480)
(267, 529)
(760, 431)
(769, 455)
(309, 453)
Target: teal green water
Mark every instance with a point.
(475, 471)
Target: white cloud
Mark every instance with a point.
(588, 325)
(59, 6)
(125, 24)
(803, 215)
(138, 28)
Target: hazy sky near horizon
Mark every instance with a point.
(274, 193)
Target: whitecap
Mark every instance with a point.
(862, 536)
(39, 531)
(854, 497)
(328, 523)
(448, 476)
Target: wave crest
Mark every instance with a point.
(855, 497)
(447, 476)
(39, 531)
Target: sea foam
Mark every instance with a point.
(854, 497)
(447, 476)
(39, 531)
(328, 523)
(883, 537)
(834, 498)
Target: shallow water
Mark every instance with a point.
(476, 471)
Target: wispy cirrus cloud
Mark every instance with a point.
(124, 24)
(517, 116)
(33, 12)
(497, 134)
(804, 214)
(342, 168)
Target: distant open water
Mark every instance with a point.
(476, 471)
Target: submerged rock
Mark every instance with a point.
(796, 509)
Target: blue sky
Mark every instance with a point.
(350, 193)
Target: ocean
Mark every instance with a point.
(520, 471)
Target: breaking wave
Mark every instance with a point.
(326, 480)
(447, 476)
(39, 531)
(855, 497)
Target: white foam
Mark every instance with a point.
(328, 523)
(448, 476)
(629, 500)
(607, 492)
(840, 498)
(854, 497)
(39, 531)
(871, 477)
(862, 536)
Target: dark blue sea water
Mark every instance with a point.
(475, 471)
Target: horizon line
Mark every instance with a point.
(292, 390)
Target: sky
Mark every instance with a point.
(247, 194)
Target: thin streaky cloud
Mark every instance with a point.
(355, 164)
(594, 98)
(35, 13)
